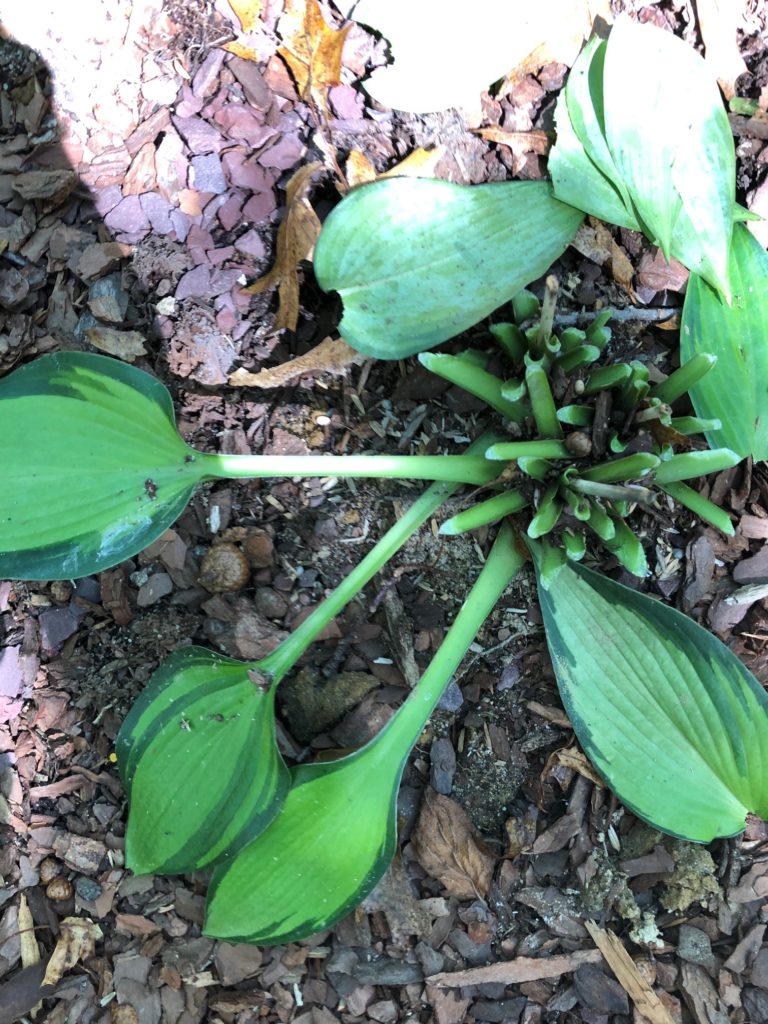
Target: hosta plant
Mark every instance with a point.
(587, 442)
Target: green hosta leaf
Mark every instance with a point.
(585, 110)
(735, 391)
(669, 717)
(198, 759)
(323, 853)
(417, 261)
(669, 136)
(93, 468)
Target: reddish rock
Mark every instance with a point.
(200, 136)
(127, 217)
(244, 123)
(206, 77)
(158, 212)
(195, 284)
(251, 244)
(259, 208)
(247, 174)
(231, 212)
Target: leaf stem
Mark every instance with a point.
(474, 379)
(466, 469)
(277, 664)
(504, 562)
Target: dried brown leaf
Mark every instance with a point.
(421, 163)
(77, 941)
(126, 345)
(596, 242)
(296, 239)
(573, 758)
(333, 355)
(628, 975)
(358, 169)
(311, 49)
(536, 141)
(446, 848)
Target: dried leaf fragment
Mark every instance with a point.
(332, 355)
(126, 345)
(248, 13)
(311, 49)
(596, 242)
(296, 239)
(421, 163)
(77, 941)
(446, 847)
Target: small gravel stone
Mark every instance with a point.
(694, 946)
(452, 698)
(87, 889)
(207, 174)
(156, 587)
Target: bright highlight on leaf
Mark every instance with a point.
(417, 261)
(736, 390)
(649, 150)
(666, 713)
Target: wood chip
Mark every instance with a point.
(628, 976)
(522, 968)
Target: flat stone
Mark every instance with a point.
(206, 174)
(156, 587)
(107, 300)
(286, 153)
(598, 992)
(230, 213)
(200, 136)
(247, 174)
(754, 569)
(694, 946)
(244, 124)
(442, 765)
(256, 90)
(127, 217)
(195, 284)
(259, 207)
(158, 212)
(251, 244)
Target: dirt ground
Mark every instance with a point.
(166, 158)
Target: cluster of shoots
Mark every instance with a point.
(593, 439)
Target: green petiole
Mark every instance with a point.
(474, 379)
(485, 512)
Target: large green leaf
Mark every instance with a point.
(667, 714)
(336, 832)
(324, 852)
(417, 261)
(669, 136)
(736, 390)
(93, 467)
(580, 130)
(198, 759)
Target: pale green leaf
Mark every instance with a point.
(668, 134)
(93, 468)
(735, 391)
(323, 853)
(418, 261)
(576, 179)
(586, 111)
(198, 759)
(666, 713)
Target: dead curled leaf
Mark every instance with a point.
(77, 941)
(444, 843)
(596, 242)
(333, 355)
(421, 163)
(311, 49)
(296, 239)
